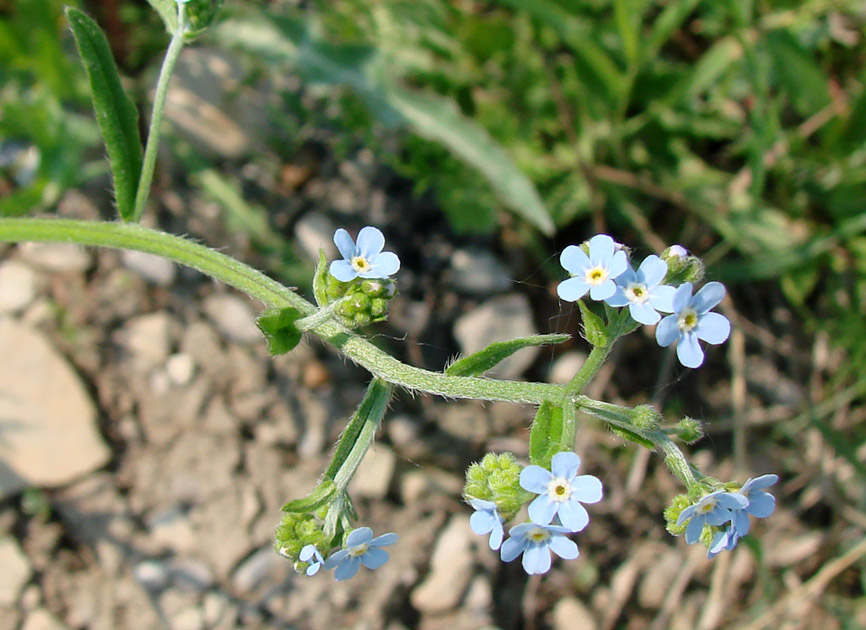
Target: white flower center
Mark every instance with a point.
(687, 319)
(596, 275)
(637, 293)
(359, 550)
(360, 264)
(559, 490)
(537, 535)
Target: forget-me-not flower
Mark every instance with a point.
(487, 519)
(360, 548)
(760, 505)
(560, 492)
(364, 260)
(713, 509)
(641, 292)
(536, 542)
(310, 553)
(691, 320)
(724, 540)
(593, 274)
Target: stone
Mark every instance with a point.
(180, 368)
(450, 569)
(16, 571)
(152, 574)
(17, 286)
(478, 272)
(41, 619)
(48, 431)
(499, 319)
(570, 613)
(314, 230)
(189, 618)
(373, 477)
(233, 316)
(657, 580)
(565, 367)
(156, 269)
(253, 571)
(57, 257)
(147, 338)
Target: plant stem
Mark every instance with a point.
(148, 164)
(589, 369)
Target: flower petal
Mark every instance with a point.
(601, 248)
(761, 504)
(536, 559)
(370, 242)
(644, 314)
(713, 328)
(759, 483)
(307, 553)
(348, 569)
(686, 514)
(689, 350)
(719, 516)
(542, 509)
(313, 569)
(693, 531)
(496, 535)
(618, 298)
(481, 504)
(383, 265)
(512, 548)
(652, 270)
(344, 243)
(573, 260)
(336, 558)
(587, 489)
(564, 464)
(385, 539)
(710, 294)
(535, 479)
(740, 522)
(618, 264)
(483, 522)
(667, 331)
(603, 291)
(342, 270)
(573, 515)
(572, 289)
(374, 558)
(732, 500)
(662, 298)
(682, 296)
(564, 548)
(359, 537)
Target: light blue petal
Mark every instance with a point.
(564, 464)
(573, 260)
(481, 504)
(689, 350)
(564, 548)
(587, 489)
(536, 559)
(307, 553)
(710, 294)
(652, 270)
(519, 531)
(385, 539)
(732, 500)
(370, 242)
(542, 509)
(686, 514)
(572, 289)
(313, 569)
(496, 535)
(720, 541)
(618, 264)
(719, 516)
(345, 244)
(383, 265)
(342, 271)
(512, 548)
(535, 479)
(682, 296)
(483, 522)
(359, 537)
(336, 558)
(713, 328)
(601, 249)
(662, 298)
(618, 298)
(603, 291)
(348, 569)
(759, 483)
(667, 331)
(740, 522)
(761, 505)
(693, 531)
(573, 515)
(374, 558)
(644, 314)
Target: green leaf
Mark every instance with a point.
(167, 10)
(313, 501)
(797, 73)
(631, 436)
(593, 327)
(278, 326)
(483, 360)
(627, 25)
(115, 112)
(320, 280)
(546, 435)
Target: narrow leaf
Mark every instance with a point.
(631, 436)
(320, 280)
(545, 436)
(167, 10)
(115, 112)
(593, 327)
(278, 327)
(486, 359)
(797, 73)
(313, 501)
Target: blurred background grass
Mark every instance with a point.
(734, 127)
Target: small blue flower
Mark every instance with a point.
(691, 320)
(724, 540)
(486, 519)
(560, 492)
(360, 548)
(311, 554)
(641, 292)
(595, 273)
(536, 542)
(364, 260)
(713, 509)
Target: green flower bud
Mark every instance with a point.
(682, 267)
(672, 514)
(362, 301)
(294, 532)
(497, 478)
(201, 14)
(690, 430)
(646, 417)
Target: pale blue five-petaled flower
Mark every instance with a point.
(715, 508)
(561, 491)
(364, 259)
(311, 554)
(536, 542)
(691, 321)
(487, 519)
(761, 505)
(360, 548)
(593, 274)
(643, 292)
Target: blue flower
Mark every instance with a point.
(724, 540)
(560, 492)
(360, 548)
(311, 554)
(536, 542)
(641, 292)
(364, 260)
(692, 320)
(713, 509)
(486, 519)
(594, 273)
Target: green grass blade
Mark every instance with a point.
(483, 360)
(115, 112)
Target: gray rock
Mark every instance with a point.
(17, 286)
(314, 231)
(156, 269)
(55, 256)
(374, 475)
(41, 619)
(570, 613)
(48, 432)
(450, 569)
(499, 319)
(565, 367)
(180, 368)
(151, 574)
(657, 580)
(16, 571)
(255, 569)
(189, 618)
(478, 272)
(148, 339)
(233, 316)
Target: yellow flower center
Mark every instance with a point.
(537, 534)
(687, 320)
(708, 507)
(360, 550)
(637, 293)
(596, 276)
(360, 264)
(559, 490)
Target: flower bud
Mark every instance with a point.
(682, 267)
(295, 532)
(690, 430)
(497, 478)
(201, 14)
(646, 417)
